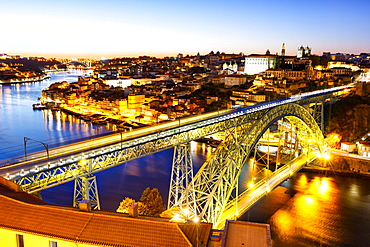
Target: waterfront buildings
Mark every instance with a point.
(136, 102)
(191, 84)
(187, 85)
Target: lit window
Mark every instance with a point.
(20, 241)
(53, 244)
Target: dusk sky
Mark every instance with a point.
(118, 28)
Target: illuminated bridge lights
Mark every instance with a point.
(116, 149)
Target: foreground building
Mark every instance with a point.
(26, 221)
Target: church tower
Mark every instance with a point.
(303, 52)
(283, 50)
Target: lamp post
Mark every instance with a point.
(120, 131)
(197, 225)
(26, 139)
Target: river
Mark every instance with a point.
(18, 119)
(307, 210)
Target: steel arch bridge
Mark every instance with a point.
(211, 189)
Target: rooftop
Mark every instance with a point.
(97, 227)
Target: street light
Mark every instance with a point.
(197, 225)
(26, 139)
(120, 131)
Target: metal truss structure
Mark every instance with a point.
(318, 112)
(269, 154)
(217, 178)
(182, 177)
(214, 182)
(86, 189)
(51, 174)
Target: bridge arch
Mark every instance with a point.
(217, 178)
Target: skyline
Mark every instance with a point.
(90, 29)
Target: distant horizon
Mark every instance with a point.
(111, 56)
(115, 28)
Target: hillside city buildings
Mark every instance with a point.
(129, 92)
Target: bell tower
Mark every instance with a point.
(283, 50)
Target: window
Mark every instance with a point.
(20, 241)
(53, 244)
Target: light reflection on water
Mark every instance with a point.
(307, 210)
(322, 212)
(314, 211)
(19, 120)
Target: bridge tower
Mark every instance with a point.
(181, 190)
(86, 189)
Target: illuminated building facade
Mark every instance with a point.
(257, 63)
(286, 74)
(232, 67)
(136, 101)
(303, 52)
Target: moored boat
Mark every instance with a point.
(39, 106)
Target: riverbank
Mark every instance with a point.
(341, 166)
(331, 172)
(24, 79)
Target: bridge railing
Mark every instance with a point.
(143, 137)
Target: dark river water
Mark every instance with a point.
(307, 210)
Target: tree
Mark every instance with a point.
(152, 203)
(125, 204)
(277, 63)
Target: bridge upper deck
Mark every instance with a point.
(94, 155)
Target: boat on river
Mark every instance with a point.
(39, 107)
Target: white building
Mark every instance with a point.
(232, 80)
(363, 149)
(231, 67)
(347, 146)
(118, 82)
(257, 63)
(365, 75)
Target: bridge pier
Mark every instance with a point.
(86, 188)
(181, 192)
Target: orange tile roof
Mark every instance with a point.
(93, 228)
(238, 233)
